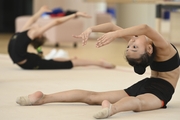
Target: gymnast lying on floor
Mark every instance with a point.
(33, 34)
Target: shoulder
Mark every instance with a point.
(165, 52)
(33, 32)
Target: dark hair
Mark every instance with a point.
(141, 63)
(37, 42)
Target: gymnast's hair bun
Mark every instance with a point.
(139, 69)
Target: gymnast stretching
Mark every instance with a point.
(145, 47)
(33, 34)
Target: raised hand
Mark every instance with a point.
(45, 8)
(84, 36)
(105, 39)
(83, 14)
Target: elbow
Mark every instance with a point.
(144, 28)
(113, 27)
(112, 24)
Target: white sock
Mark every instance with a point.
(61, 54)
(51, 54)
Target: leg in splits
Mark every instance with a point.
(84, 96)
(140, 103)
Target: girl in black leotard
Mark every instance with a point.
(33, 35)
(145, 47)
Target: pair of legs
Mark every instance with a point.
(112, 101)
(77, 62)
(33, 61)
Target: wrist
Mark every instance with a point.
(118, 33)
(90, 29)
(75, 15)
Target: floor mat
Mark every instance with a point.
(15, 82)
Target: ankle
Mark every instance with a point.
(36, 98)
(113, 110)
(40, 101)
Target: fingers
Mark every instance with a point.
(76, 36)
(82, 14)
(45, 9)
(100, 44)
(88, 16)
(84, 38)
(103, 40)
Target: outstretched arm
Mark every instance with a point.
(143, 29)
(35, 17)
(39, 31)
(104, 28)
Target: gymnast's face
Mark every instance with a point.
(136, 46)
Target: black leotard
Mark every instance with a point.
(158, 87)
(17, 50)
(167, 65)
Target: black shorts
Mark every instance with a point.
(34, 61)
(156, 86)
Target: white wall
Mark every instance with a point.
(128, 14)
(89, 7)
(131, 14)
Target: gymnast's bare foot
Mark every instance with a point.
(105, 112)
(107, 65)
(74, 57)
(32, 99)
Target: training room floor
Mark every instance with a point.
(15, 82)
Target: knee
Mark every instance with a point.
(91, 99)
(140, 103)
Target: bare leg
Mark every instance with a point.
(64, 59)
(140, 103)
(84, 62)
(88, 97)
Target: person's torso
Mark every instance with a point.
(17, 47)
(168, 70)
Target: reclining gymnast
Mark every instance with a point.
(145, 47)
(33, 34)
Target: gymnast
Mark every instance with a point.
(145, 47)
(33, 34)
